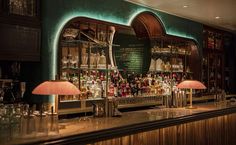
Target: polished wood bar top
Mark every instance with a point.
(95, 129)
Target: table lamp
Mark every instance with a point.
(191, 84)
(56, 87)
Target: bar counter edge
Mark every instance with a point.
(85, 138)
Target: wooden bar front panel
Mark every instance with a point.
(214, 131)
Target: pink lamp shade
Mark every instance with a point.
(191, 84)
(55, 87)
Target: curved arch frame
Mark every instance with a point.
(151, 22)
(129, 23)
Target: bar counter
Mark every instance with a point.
(92, 130)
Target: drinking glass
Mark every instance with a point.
(53, 127)
(73, 60)
(65, 62)
(41, 121)
(28, 126)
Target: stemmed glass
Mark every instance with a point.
(102, 36)
(22, 88)
(64, 76)
(64, 61)
(74, 61)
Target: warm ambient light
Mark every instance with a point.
(217, 17)
(56, 87)
(185, 6)
(191, 84)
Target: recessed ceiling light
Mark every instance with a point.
(217, 17)
(185, 6)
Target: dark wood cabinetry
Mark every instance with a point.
(213, 71)
(216, 44)
(22, 7)
(20, 39)
(230, 63)
(29, 8)
(19, 43)
(1, 6)
(213, 60)
(20, 30)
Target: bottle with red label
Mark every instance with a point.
(111, 91)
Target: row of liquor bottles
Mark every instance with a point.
(93, 85)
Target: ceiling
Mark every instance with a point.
(216, 13)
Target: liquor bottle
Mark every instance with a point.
(138, 88)
(131, 78)
(93, 88)
(115, 90)
(83, 89)
(111, 91)
(124, 93)
(102, 77)
(8, 97)
(98, 89)
(120, 89)
(133, 88)
(128, 90)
